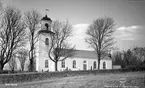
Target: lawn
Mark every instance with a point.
(102, 80)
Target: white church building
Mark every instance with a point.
(82, 60)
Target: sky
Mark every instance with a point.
(129, 17)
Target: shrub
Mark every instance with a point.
(136, 67)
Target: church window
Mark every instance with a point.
(46, 63)
(104, 65)
(47, 26)
(46, 41)
(94, 64)
(84, 65)
(74, 63)
(63, 64)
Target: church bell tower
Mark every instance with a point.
(43, 62)
(46, 23)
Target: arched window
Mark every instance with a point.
(104, 65)
(46, 63)
(63, 64)
(74, 63)
(84, 65)
(46, 41)
(94, 64)
(47, 26)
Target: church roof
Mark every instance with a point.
(46, 31)
(87, 54)
(106, 58)
(46, 18)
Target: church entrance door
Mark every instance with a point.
(84, 66)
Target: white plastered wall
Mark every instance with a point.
(43, 54)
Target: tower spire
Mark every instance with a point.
(46, 11)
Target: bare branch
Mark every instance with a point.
(12, 34)
(22, 56)
(100, 36)
(59, 44)
(32, 19)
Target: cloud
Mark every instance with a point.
(78, 39)
(79, 30)
(133, 33)
(131, 28)
(128, 33)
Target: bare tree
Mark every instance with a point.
(12, 63)
(22, 56)
(100, 36)
(60, 49)
(1, 9)
(117, 58)
(32, 19)
(12, 34)
(139, 53)
(129, 58)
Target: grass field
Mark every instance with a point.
(104, 80)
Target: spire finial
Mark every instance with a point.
(46, 11)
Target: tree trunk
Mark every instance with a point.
(22, 68)
(31, 57)
(55, 66)
(1, 67)
(98, 63)
(12, 70)
(31, 65)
